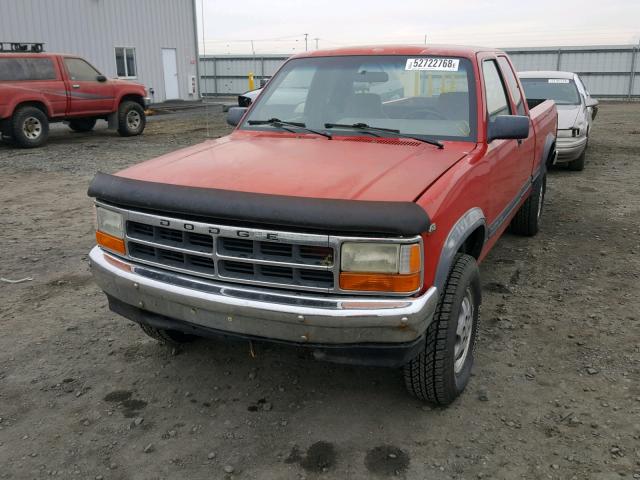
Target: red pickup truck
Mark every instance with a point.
(39, 88)
(347, 213)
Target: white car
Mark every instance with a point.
(576, 111)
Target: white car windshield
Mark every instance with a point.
(422, 96)
(562, 90)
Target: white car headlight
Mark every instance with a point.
(109, 222)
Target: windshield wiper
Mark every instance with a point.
(276, 122)
(368, 129)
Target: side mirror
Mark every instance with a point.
(590, 102)
(263, 82)
(101, 78)
(235, 114)
(508, 127)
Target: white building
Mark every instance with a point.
(153, 42)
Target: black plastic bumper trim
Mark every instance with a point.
(311, 214)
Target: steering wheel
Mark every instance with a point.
(421, 113)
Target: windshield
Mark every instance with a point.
(430, 97)
(562, 90)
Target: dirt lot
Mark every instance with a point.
(556, 392)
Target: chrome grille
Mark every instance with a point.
(278, 259)
(271, 258)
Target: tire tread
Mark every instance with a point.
(424, 375)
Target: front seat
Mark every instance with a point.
(364, 105)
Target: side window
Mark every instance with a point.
(126, 62)
(19, 69)
(512, 83)
(80, 71)
(497, 102)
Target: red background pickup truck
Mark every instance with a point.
(346, 213)
(38, 88)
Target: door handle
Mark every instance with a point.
(75, 85)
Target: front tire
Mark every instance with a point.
(167, 337)
(440, 373)
(131, 119)
(29, 127)
(82, 124)
(577, 165)
(528, 219)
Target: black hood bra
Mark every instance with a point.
(263, 210)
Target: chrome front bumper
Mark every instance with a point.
(264, 313)
(570, 148)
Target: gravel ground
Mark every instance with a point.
(85, 394)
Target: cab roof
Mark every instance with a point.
(442, 50)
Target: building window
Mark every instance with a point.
(126, 62)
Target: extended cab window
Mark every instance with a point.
(425, 96)
(497, 102)
(80, 71)
(19, 69)
(507, 71)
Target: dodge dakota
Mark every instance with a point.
(346, 214)
(39, 88)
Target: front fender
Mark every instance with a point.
(459, 233)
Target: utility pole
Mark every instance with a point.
(306, 36)
(425, 38)
(316, 39)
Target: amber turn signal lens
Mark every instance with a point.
(110, 242)
(379, 282)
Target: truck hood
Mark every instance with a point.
(567, 115)
(346, 168)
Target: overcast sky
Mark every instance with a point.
(278, 26)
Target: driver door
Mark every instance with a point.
(510, 160)
(87, 95)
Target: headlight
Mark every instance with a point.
(110, 230)
(385, 267)
(110, 222)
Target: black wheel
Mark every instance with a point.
(82, 124)
(131, 119)
(29, 127)
(168, 337)
(528, 219)
(442, 370)
(577, 165)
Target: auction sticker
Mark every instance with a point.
(439, 63)
(558, 80)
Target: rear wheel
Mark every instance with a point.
(131, 119)
(528, 219)
(82, 124)
(29, 127)
(440, 373)
(168, 337)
